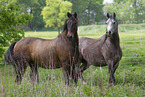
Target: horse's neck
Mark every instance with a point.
(115, 39)
(62, 34)
(74, 42)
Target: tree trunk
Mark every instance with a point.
(30, 24)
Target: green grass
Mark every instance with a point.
(42, 34)
(130, 75)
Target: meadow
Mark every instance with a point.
(130, 75)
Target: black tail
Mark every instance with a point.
(9, 54)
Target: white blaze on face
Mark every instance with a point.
(109, 27)
(108, 20)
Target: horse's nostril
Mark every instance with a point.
(108, 33)
(69, 37)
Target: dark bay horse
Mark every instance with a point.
(63, 51)
(104, 51)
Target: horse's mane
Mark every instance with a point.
(64, 28)
(65, 25)
(101, 39)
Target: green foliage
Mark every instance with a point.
(8, 1)
(54, 14)
(35, 7)
(11, 18)
(87, 90)
(89, 11)
(37, 21)
(28, 3)
(129, 11)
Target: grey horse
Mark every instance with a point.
(104, 51)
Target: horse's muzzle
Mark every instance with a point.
(108, 33)
(70, 37)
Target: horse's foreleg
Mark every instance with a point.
(114, 69)
(111, 71)
(66, 72)
(115, 66)
(76, 73)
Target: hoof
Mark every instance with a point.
(18, 81)
(111, 84)
(84, 83)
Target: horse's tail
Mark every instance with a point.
(9, 54)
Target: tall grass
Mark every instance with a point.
(130, 75)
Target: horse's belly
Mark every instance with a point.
(49, 65)
(98, 62)
(47, 62)
(95, 59)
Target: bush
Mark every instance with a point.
(11, 17)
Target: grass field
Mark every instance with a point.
(130, 75)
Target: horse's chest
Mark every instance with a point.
(115, 56)
(67, 53)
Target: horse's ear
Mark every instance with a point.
(69, 15)
(108, 16)
(75, 15)
(114, 15)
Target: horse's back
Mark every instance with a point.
(90, 49)
(30, 43)
(85, 41)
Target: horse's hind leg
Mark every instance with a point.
(83, 67)
(20, 68)
(34, 73)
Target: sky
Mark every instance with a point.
(108, 1)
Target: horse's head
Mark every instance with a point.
(71, 25)
(112, 25)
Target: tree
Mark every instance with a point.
(89, 11)
(123, 10)
(11, 17)
(139, 10)
(118, 1)
(37, 21)
(54, 14)
(79, 7)
(127, 10)
(33, 7)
